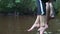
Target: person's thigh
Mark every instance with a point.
(51, 7)
(47, 10)
(47, 6)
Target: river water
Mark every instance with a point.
(20, 25)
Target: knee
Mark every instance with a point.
(51, 6)
(47, 5)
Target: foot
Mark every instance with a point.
(35, 25)
(43, 28)
(52, 16)
(42, 31)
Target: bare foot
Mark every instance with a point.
(43, 27)
(41, 30)
(35, 25)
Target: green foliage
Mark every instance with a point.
(22, 5)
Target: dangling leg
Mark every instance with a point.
(43, 24)
(43, 21)
(43, 29)
(36, 24)
(51, 10)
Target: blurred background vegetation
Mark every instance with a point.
(22, 7)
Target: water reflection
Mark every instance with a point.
(20, 24)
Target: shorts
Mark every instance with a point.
(39, 8)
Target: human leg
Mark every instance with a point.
(51, 10)
(44, 20)
(36, 24)
(43, 24)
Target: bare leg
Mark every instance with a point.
(43, 29)
(44, 20)
(36, 24)
(51, 10)
(43, 24)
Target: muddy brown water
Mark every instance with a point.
(20, 24)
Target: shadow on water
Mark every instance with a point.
(20, 24)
